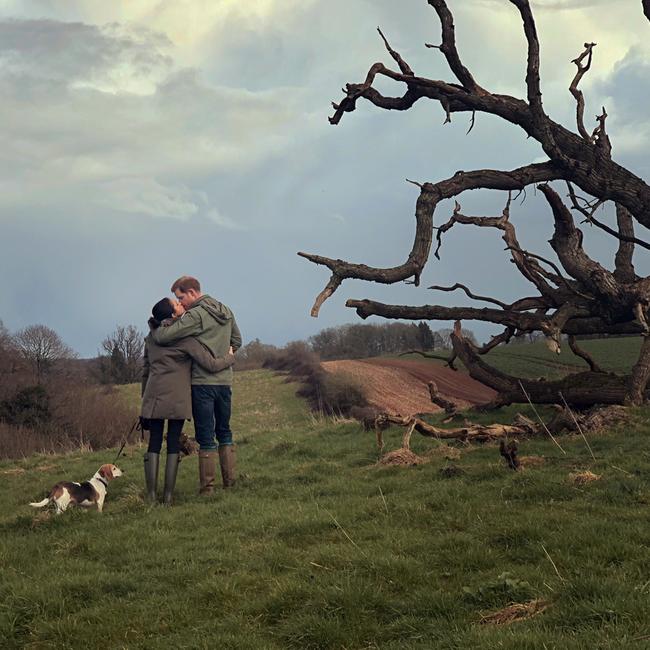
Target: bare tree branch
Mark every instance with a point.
(579, 352)
(625, 231)
(458, 285)
(567, 243)
(599, 135)
(624, 267)
(573, 88)
(430, 195)
(449, 361)
(587, 164)
(534, 91)
(448, 47)
(582, 323)
(504, 337)
(403, 66)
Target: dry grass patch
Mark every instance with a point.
(515, 612)
(532, 461)
(445, 451)
(582, 478)
(13, 472)
(402, 458)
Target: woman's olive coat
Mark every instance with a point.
(166, 377)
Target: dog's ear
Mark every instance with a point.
(107, 472)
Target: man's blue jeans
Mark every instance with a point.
(211, 410)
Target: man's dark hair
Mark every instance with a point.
(185, 283)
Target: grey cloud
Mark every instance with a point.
(136, 152)
(629, 88)
(73, 52)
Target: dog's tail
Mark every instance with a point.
(40, 504)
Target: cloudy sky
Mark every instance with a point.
(147, 139)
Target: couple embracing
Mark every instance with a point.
(187, 373)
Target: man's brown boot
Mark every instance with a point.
(207, 471)
(227, 462)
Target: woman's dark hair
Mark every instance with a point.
(161, 310)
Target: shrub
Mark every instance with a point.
(340, 393)
(93, 416)
(62, 418)
(30, 407)
(330, 393)
(296, 358)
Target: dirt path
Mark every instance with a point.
(400, 385)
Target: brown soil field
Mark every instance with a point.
(399, 386)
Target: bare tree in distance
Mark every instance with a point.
(42, 347)
(578, 296)
(122, 361)
(5, 336)
(8, 356)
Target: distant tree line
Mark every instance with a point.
(51, 401)
(353, 341)
(357, 341)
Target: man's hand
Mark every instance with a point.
(230, 350)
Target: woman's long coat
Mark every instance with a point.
(166, 376)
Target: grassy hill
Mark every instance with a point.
(318, 547)
(536, 360)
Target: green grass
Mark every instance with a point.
(319, 548)
(536, 360)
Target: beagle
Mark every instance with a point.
(86, 494)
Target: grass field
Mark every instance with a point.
(318, 547)
(536, 360)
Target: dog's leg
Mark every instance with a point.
(62, 502)
(100, 504)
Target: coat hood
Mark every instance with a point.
(216, 309)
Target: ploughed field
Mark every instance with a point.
(399, 386)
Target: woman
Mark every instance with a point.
(166, 393)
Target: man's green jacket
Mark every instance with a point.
(212, 323)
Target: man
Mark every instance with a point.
(212, 323)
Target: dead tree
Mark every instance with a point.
(576, 297)
(42, 347)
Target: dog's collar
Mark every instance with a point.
(101, 480)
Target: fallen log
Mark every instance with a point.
(467, 433)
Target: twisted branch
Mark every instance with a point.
(573, 88)
(403, 66)
(583, 354)
(458, 285)
(430, 195)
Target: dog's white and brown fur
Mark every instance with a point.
(86, 494)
